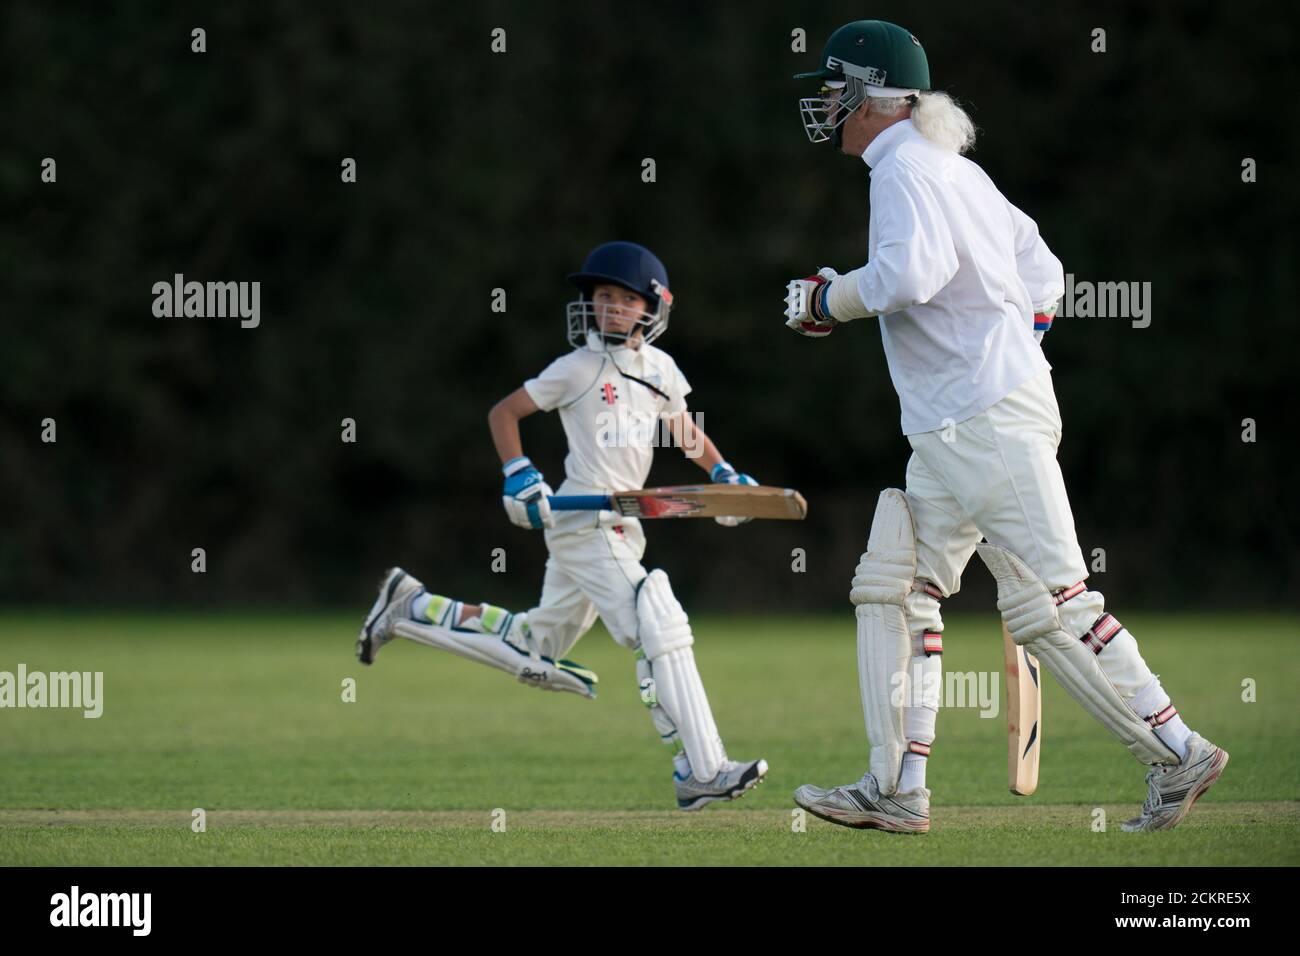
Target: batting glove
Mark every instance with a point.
(525, 495)
(805, 304)
(724, 474)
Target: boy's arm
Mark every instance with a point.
(699, 447)
(695, 445)
(525, 493)
(503, 421)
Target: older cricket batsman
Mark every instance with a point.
(964, 288)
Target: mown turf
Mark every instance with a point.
(241, 712)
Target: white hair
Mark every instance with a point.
(939, 119)
(935, 115)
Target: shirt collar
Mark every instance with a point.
(888, 140)
(622, 356)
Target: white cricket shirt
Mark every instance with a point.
(955, 273)
(611, 421)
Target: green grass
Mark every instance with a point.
(237, 713)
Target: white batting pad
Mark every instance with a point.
(1031, 617)
(530, 669)
(681, 695)
(882, 582)
(666, 641)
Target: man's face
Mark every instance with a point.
(858, 131)
(617, 310)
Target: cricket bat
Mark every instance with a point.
(1024, 717)
(693, 501)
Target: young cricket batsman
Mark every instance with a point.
(614, 392)
(964, 289)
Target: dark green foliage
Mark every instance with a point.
(479, 171)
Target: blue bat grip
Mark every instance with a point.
(579, 502)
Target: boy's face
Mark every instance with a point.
(617, 310)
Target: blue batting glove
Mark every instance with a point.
(724, 474)
(525, 495)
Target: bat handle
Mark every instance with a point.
(579, 502)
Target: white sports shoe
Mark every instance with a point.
(1171, 790)
(397, 592)
(860, 805)
(734, 779)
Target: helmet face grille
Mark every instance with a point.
(823, 115)
(584, 320)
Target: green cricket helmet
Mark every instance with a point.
(861, 59)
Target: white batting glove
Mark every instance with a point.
(805, 304)
(724, 474)
(525, 495)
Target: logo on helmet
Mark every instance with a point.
(870, 75)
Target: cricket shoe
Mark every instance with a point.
(1173, 789)
(732, 781)
(860, 805)
(397, 592)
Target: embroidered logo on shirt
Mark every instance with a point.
(611, 393)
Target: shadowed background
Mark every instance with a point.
(478, 171)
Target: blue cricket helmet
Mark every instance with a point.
(632, 266)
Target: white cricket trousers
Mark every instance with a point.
(995, 476)
(593, 569)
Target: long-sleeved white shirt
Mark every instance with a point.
(955, 273)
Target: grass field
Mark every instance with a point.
(242, 715)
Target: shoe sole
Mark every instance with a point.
(736, 793)
(387, 585)
(1216, 770)
(885, 824)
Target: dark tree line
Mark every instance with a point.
(478, 171)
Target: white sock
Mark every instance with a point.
(682, 765)
(921, 708)
(420, 605)
(1151, 703)
(913, 773)
(1175, 733)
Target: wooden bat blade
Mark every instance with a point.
(1024, 717)
(712, 501)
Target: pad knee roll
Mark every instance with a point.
(663, 624)
(885, 572)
